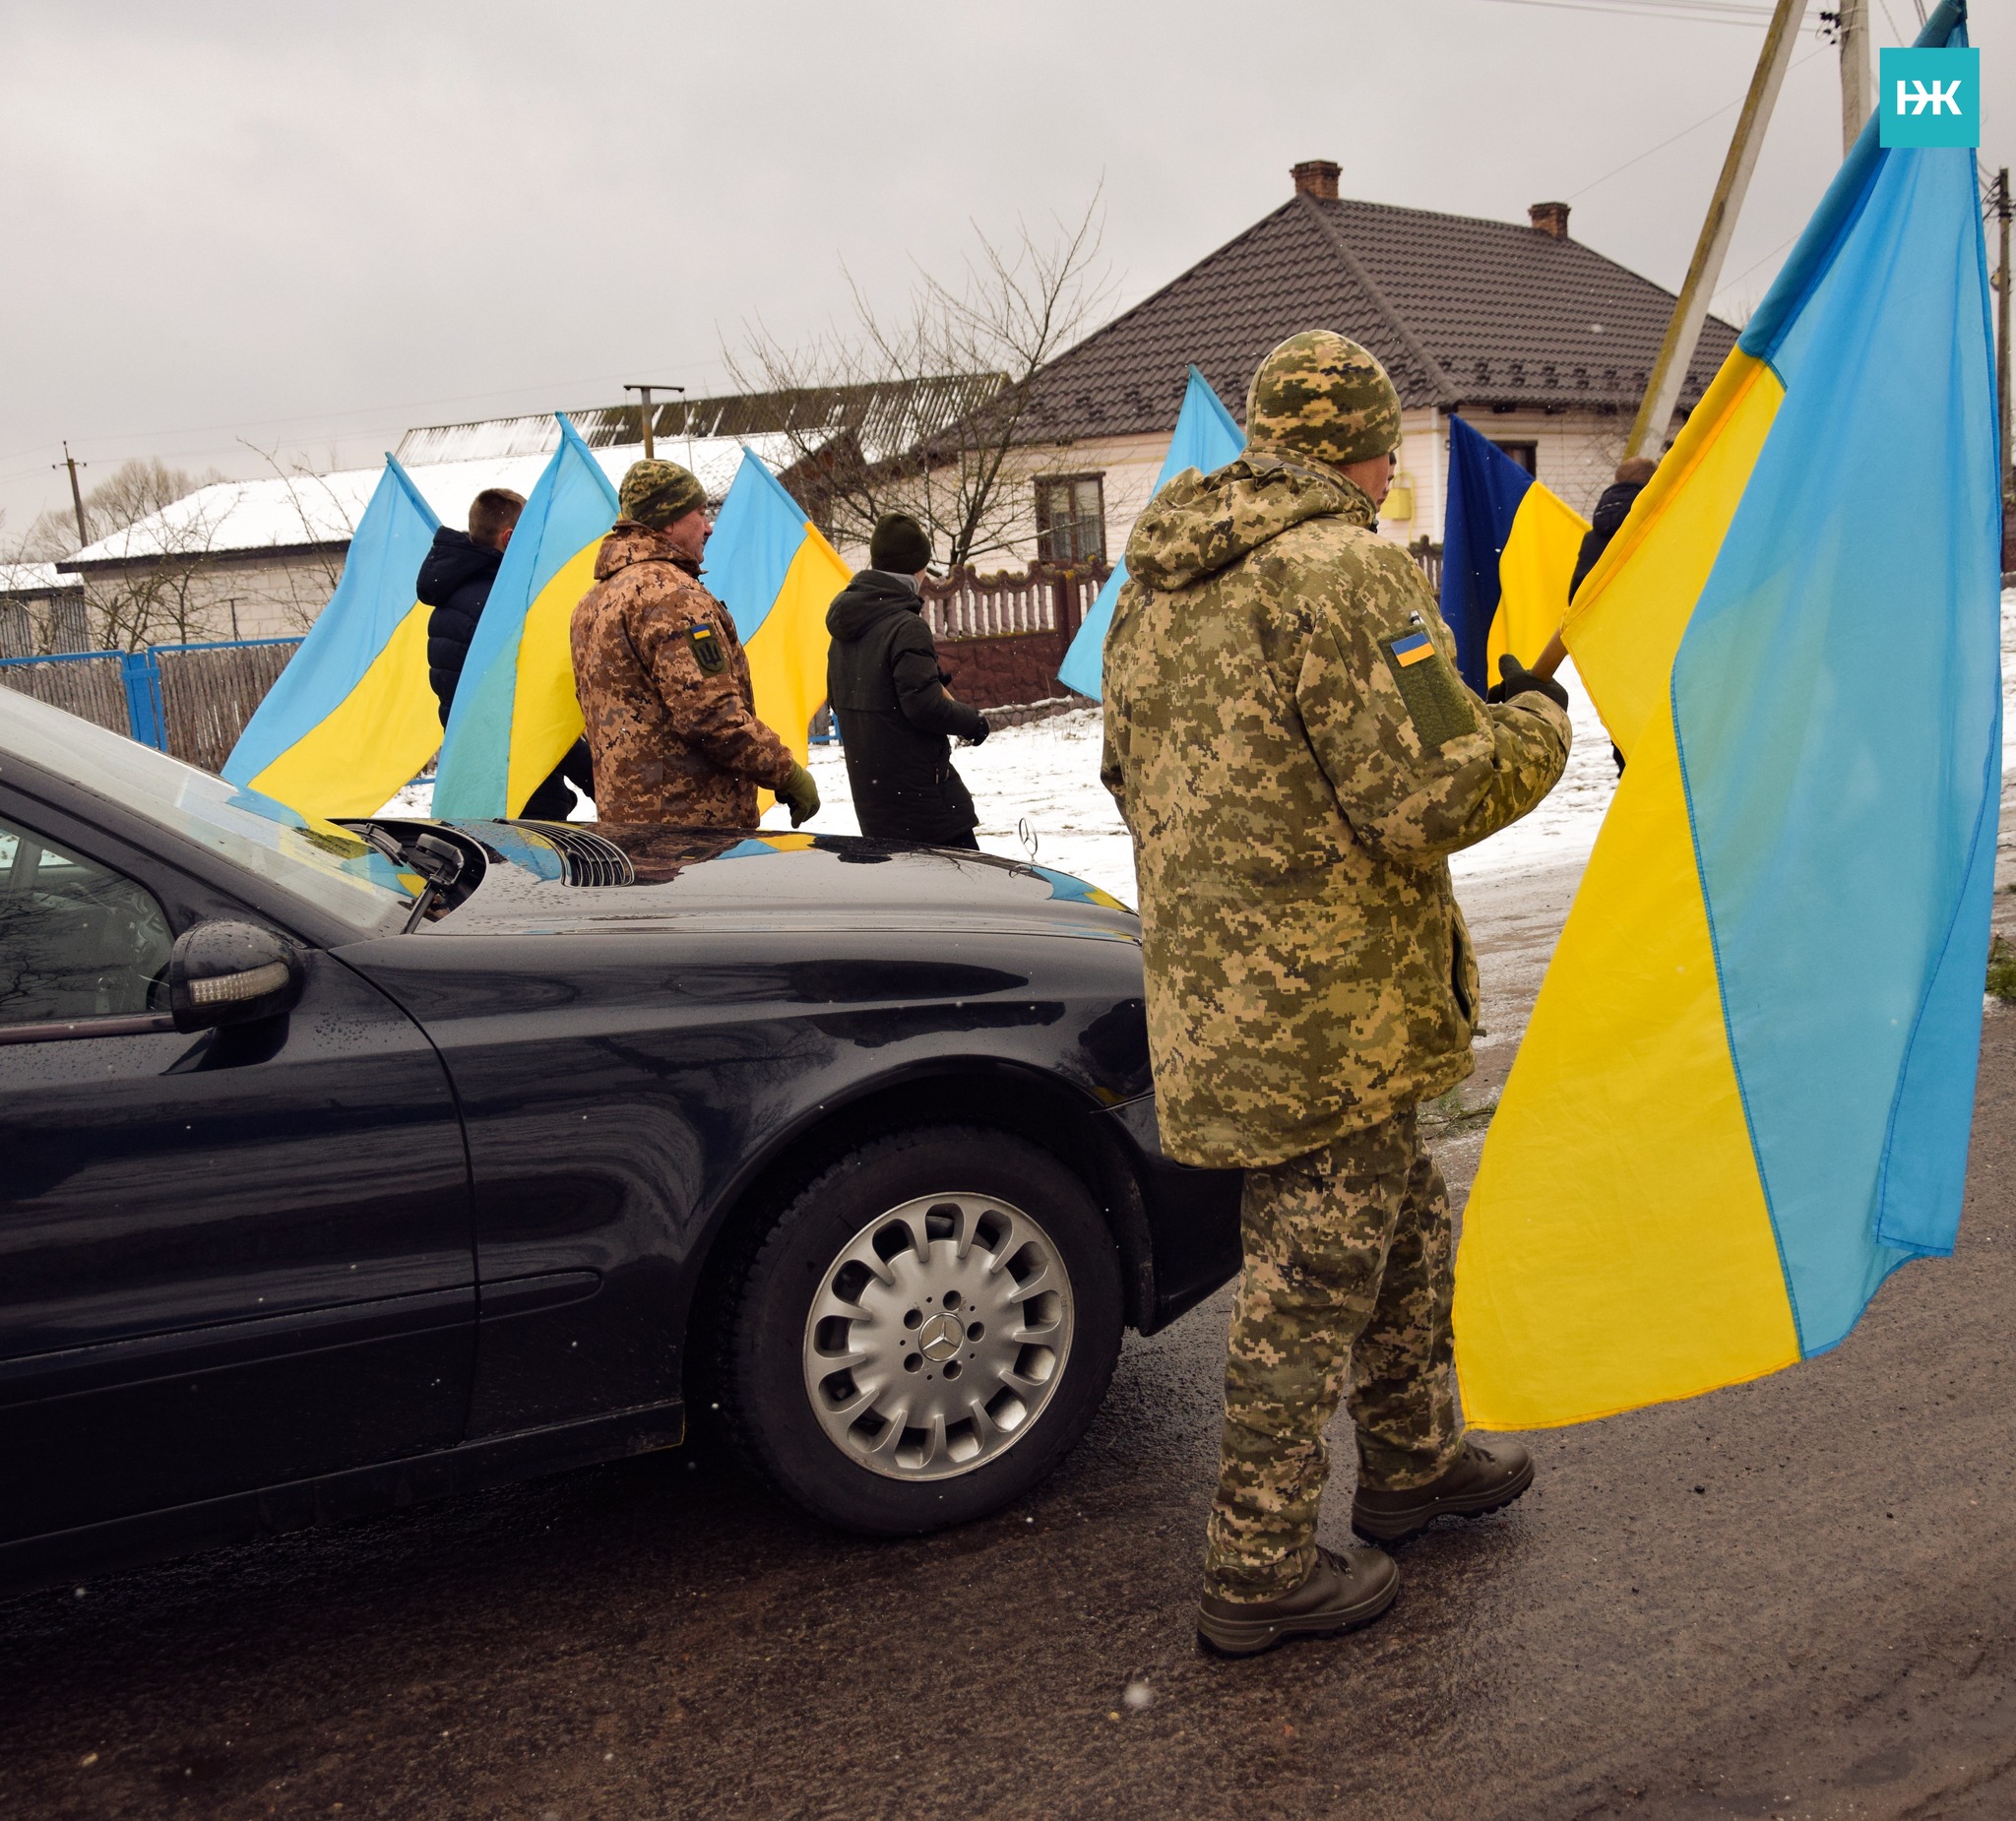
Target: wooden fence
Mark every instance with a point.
(209, 692)
(91, 685)
(189, 700)
(966, 605)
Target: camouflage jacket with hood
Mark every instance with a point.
(665, 690)
(1296, 757)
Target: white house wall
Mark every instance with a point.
(1575, 455)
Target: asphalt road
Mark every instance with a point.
(1795, 1598)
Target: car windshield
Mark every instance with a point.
(326, 865)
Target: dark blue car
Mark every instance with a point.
(342, 1167)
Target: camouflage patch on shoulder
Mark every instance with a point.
(1435, 701)
(706, 649)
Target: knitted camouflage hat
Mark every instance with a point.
(1323, 396)
(656, 493)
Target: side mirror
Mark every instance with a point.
(231, 973)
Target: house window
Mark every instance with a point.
(1527, 455)
(1071, 519)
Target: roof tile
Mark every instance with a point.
(1462, 311)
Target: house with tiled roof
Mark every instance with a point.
(1541, 343)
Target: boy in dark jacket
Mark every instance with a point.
(454, 581)
(897, 723)
(1612, 510)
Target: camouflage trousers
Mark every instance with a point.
(1348, 1275)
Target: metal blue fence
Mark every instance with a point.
(189, 700)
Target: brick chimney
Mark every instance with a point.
(1317, 178)
(1550, 218)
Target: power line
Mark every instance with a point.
(1691, 12)
(1728, 284)
(322, 417)
(1725, 107)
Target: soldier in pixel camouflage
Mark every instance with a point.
(663, 682)
(1296, 756)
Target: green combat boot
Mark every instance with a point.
(1342, 1593)
(1482, 1477)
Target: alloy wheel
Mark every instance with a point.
(938, 1336)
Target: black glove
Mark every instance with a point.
(974, 739)
(1519, 681)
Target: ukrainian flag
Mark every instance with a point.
(1745, 1094)
(352, 718)
(516, 712)
(1508, 553)
(769, 565)
(1207, 436)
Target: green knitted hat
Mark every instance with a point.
(656, 493)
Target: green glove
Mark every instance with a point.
(799, 795)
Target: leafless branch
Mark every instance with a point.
(922, 407)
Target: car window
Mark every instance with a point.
(326, 866)
(77, 939)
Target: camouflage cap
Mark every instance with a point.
(656, 493)
(1321, 395)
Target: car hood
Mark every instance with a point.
(586, 876)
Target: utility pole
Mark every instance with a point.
(644, 394)
(1999, 196)
(1851, 26)
(77, 496)
(1690, 311)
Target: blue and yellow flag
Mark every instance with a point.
(515, 712)
(1745, 1094)
(1508, 553)
(769, 565)
(352, 717)
(1207, 436)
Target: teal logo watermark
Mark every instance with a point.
(1929, 98)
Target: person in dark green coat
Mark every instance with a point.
(897, 721)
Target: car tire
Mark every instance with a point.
(971, 1246)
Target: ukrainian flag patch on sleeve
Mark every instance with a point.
(1436, 703)
(706, 649)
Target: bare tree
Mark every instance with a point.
(134, 490)
(158, 598)
(318, 510)
(925, 410)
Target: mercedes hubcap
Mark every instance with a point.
(938, 1336)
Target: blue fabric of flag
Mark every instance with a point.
(572, 506)
(1837, 703)
(1207, 436)
(1485, 488)
(758, 535)
(374, 595)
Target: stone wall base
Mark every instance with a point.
(1004, 673)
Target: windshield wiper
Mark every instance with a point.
(441, 862)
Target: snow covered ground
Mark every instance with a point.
(1037, 792)
(1044, 776)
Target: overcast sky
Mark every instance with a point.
(307, 227)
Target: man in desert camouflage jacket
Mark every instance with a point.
(1296, 756)
(663, 682)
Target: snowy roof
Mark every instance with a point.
(32, 578)
(884, 417)
(289, 511)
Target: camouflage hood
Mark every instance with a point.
(1201, 524)
(630, 543)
